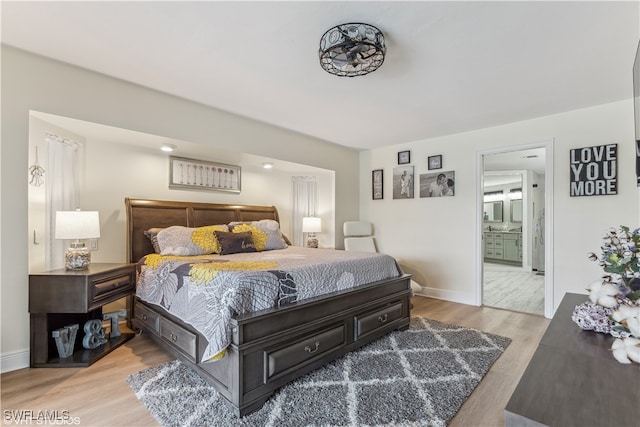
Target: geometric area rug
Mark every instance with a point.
(417, 377)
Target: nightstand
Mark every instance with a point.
(58, 298)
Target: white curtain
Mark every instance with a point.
(305, 203)
(61, 193)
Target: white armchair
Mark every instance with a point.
(358, 236)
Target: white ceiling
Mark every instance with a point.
(450, 67)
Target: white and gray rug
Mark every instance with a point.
(418, 377)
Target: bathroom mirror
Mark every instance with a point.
(493, 211)
(516, 210)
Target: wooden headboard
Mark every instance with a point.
(145, 214)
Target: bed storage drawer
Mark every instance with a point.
(179, 337)
(367, 323)
(147, 319)
(282, 360)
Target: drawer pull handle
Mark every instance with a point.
(384, 318)
(310, 350)
(144, 317)
(173, 337)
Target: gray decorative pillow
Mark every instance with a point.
(233, 243)
(187, 241)
(152, 235)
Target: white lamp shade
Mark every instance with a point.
(77, 225)
(311, 224)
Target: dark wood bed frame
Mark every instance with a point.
(272, 347)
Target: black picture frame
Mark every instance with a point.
(593, 171)
(377, 189)
(404, 157)
(403, 182)
(434, 162)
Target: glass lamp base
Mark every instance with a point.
(312, 242)
(77, 258)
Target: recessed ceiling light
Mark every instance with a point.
(267, 165)
(167, 148)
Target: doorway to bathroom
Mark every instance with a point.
(514, 223)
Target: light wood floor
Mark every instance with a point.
(99, 396)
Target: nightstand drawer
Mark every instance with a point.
(179, 337)
(105, 288)
(80, 291)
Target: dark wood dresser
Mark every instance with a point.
(59, 298)
(574, 380)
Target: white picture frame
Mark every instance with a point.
(191, 174)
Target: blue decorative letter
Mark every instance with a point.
(94, 334)
(114, 318)
(65, 339)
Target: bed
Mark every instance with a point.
(272, 346)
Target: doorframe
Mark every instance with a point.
(548, 218)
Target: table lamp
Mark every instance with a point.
(311, 225)
(77, 225)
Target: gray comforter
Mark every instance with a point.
(207, 291)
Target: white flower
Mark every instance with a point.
(603, 294)
(624, 312)
(633, 324)
(626, 350)
(628, 316)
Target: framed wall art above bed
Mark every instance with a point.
(190, 174)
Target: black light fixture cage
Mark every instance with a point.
(353, 49)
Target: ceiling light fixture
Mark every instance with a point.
(267, 165)
(350, 50)
(167, 148)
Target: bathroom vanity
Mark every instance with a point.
(503, 246)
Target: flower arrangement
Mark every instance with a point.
(614, 305)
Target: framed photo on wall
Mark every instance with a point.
(377, 192)
(435, 162)
(438, 184)
(190, 174)
(404, 157)
(403, 182)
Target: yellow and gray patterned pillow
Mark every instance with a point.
(187, 241)
(266, 233)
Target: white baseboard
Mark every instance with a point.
(447, 295)
(14, 361)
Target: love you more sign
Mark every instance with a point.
(594, 170)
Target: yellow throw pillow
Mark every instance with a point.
(259, 236)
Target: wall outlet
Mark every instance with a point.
(93, 244)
